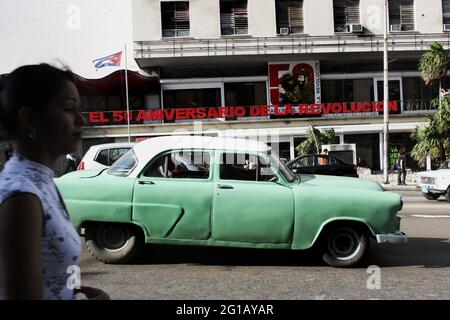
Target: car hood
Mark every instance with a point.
(339, 182)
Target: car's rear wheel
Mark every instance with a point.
(113, 242)
(447, 195)
(431, 196)
(345, 247)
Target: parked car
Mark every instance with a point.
(436, 183)
(322, 164)
(102, 156)
(211, 191)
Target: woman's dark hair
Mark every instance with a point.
(29, 86)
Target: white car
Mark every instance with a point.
(436, 183)
(102, 156)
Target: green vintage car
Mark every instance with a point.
(211, 191)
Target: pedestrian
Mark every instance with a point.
(323, 158)
(72, 163)
(39, 247)
(401, 167)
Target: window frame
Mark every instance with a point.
(168, 152)
(411, 27)
(349, 15)
(266, 158)
(232, 18)
(279, 15)
(177, 32)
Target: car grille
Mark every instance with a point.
(427, 180)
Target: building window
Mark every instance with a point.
(417, 95)
(175, 18)
(346, 13)
(191, 98)
(233, 17)
(401, 15)
(446, 12)
(289, 16)
(347, 90)
(245, 94)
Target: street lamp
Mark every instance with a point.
(386, 99)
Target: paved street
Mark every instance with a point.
(419, 270)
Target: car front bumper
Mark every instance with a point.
(398, 237)
(430, 189)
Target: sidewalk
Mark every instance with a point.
(411, 185)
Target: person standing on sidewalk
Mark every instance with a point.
(39, 108)
(401, 167)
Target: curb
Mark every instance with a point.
(394, 187)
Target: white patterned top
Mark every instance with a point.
(61, 244)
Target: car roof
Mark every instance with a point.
(112, 145)
(160, 144)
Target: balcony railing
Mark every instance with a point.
(289, 44)
(114, 118)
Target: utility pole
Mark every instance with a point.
(386, 98)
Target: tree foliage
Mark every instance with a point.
(433, 138)
(433, 63)
(327, 136)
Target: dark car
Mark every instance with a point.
(322, 164)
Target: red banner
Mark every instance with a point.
(239, 111)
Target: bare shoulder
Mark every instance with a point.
(21, 212)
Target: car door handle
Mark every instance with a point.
(146, 182)
(224, 186)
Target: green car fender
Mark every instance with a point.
(316, 208)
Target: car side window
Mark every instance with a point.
(307, 161)
(102, 157)
(116, 153)
(246, 167)
(181, 164)
(332, 161)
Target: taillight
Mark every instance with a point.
(81, 166)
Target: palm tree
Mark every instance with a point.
(433, 63)
(315, 140)
(433, 139)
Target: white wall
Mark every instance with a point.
(146, 20)
(73, 31)
(372, 15)
(318, 17)
(204, 19)
(261, 18)
(428, 16)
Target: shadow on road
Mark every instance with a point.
(424, 252)
(170, 254)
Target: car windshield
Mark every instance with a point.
(277, 164)
(445, 165)
(124, 165)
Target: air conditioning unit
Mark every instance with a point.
(355, 28)
(446, 27)
(395, 27)
(285, 31)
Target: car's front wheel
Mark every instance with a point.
(344, 247)
(431, 196)
(113, 242)
(447, 195)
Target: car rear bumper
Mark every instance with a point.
(398, 237)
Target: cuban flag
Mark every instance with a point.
(112, 60)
